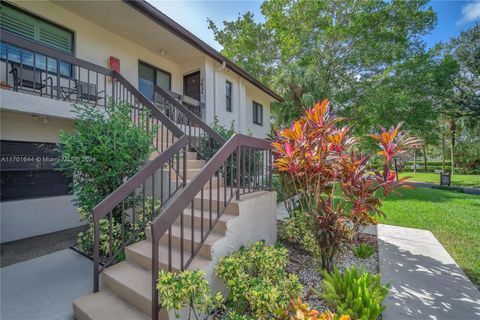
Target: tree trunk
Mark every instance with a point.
(453, 128)
(414, 160)
(425, 158)
(443, 152)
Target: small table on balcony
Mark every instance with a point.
(82, 90)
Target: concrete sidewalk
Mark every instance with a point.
(467, 190)
(44, 287)
(426, 282)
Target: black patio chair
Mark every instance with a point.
(28, 77)
(87, 91)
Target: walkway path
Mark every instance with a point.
(469, 190)
(426, 281)
(44, 287)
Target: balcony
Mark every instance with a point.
(32, 69)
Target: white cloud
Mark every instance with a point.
(470, 12)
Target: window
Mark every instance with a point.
(257, 109)
(27, 58)
(228, 96)
(28, 26)
(149, 77)
(33, 28)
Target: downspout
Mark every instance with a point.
(223, 66)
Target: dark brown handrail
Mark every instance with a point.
(126, 189)
(35, 47)
(114, 198)
(192, 116)
(237, 147)
(250, 155)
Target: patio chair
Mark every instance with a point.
(27, 77)
(87, 91)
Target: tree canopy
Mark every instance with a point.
(315, 49)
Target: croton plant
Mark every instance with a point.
(337, 189)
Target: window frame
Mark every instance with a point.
(156, 69)
(228, 96)
(25, 65)
(257, 117)
(71, 68)
(44, 20)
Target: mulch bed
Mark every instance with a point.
(303, 265)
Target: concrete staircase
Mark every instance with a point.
(126, 292)
(126, 286)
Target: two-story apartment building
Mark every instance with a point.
(39, 81)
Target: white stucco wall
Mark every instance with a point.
(96, 44)
(243, 94)
(25, 127)
(31, 217)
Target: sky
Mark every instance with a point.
(452, 16)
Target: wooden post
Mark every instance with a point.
(414, 160)
(443, 152)
(425, 158)
(453, 128)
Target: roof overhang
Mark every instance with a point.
(153, 13)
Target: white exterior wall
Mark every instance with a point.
(243, 95)
(17, 126)
(31, 217)
(96, 44)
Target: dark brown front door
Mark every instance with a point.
(191, 85)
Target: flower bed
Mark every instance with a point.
(303, 265)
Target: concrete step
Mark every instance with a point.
(193, 164)
(192, 172)
(215, 183)
(205, 250)
(217, 200)
(190, 156)
(220, 227)
(141, 254)
(131, 282)
(105, 305)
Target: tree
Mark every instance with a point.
(324, 48)
(462, 101)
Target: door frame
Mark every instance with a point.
(185, 76)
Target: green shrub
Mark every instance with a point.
(208, 146)
(187, 289)
(256, 281)
(363, 250)
(297, 229)
(105, 148)
(85, 239)
(354, 293)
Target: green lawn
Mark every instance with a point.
(466, 180)
(454, 219)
